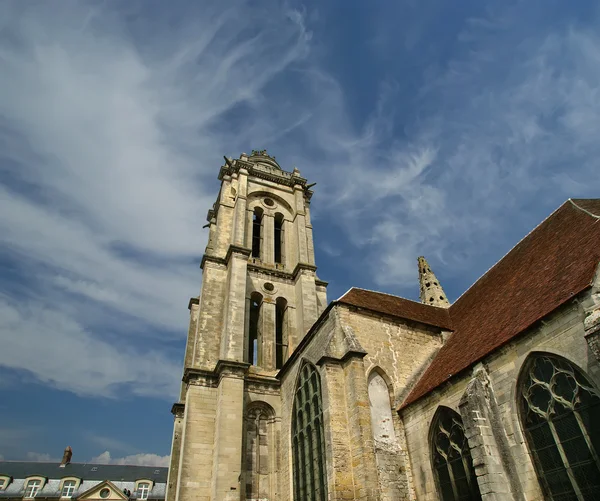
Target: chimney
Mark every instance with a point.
(66, 457)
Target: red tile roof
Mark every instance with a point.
(397, 306)
(555, 262)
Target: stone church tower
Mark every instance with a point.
(373, 397)
(260, 295)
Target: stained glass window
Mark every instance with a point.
(308, 439)
(452, 462)
(560, 413)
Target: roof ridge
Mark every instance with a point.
(386, 294)
(507, 253)
(595, 216)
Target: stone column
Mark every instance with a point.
(306, 300)
(240, 209)
(360, 431)
(228, 436)
(268, 239)
(194, 307)
(309, 237)
(197, 440)
(494, 465)
(234, 309)
(300, 224)
(177, 411)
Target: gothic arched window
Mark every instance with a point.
(278, 238)
(452, 462)
(254, 329)
(281, 332)
(259, 452)
(308, 443)
(560, 413)
(256, 231)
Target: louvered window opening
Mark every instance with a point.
(560, 411)
(452, 460)
(308, 438)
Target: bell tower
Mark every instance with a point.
(260, 295)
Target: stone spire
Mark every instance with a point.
(431, 290)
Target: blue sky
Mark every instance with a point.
(448, 129)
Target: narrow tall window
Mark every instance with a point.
(258, 452)
(33, 486)
(452, 462)
(68, 488)
(560, 412)
(281, 332)
(308, 444)
(256, 231)
(278, 238)
(254, 328)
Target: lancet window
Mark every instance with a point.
(281, 332)
(257, 232)
(278, 240)
(452, 462)
(308, 439)
(560, 412)
(254, 329)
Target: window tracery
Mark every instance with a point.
(452, 462)
(308, 438)
(560, 413)
(259, 420)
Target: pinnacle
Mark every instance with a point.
(431, 292)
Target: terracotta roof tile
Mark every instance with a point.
(556, 261)
(397, 306)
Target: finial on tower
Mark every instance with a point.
(431, 290)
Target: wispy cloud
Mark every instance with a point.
(112, 127)
(110, 136)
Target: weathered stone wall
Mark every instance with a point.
(561, 333)
(197, 441)
(350, 460)
(400, 350)
(210, 316)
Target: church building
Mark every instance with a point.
(375, 397)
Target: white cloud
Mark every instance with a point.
(135, 459)
(40, 456)
(67, 356)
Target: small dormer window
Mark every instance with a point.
(33, 486)
(143, 489)
(68, 488)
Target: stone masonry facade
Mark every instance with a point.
(262, 317)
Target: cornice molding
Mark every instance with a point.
(328, 360)
(233, 249)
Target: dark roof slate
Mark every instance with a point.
(397, 307)
(114, 472)
(550, 266)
